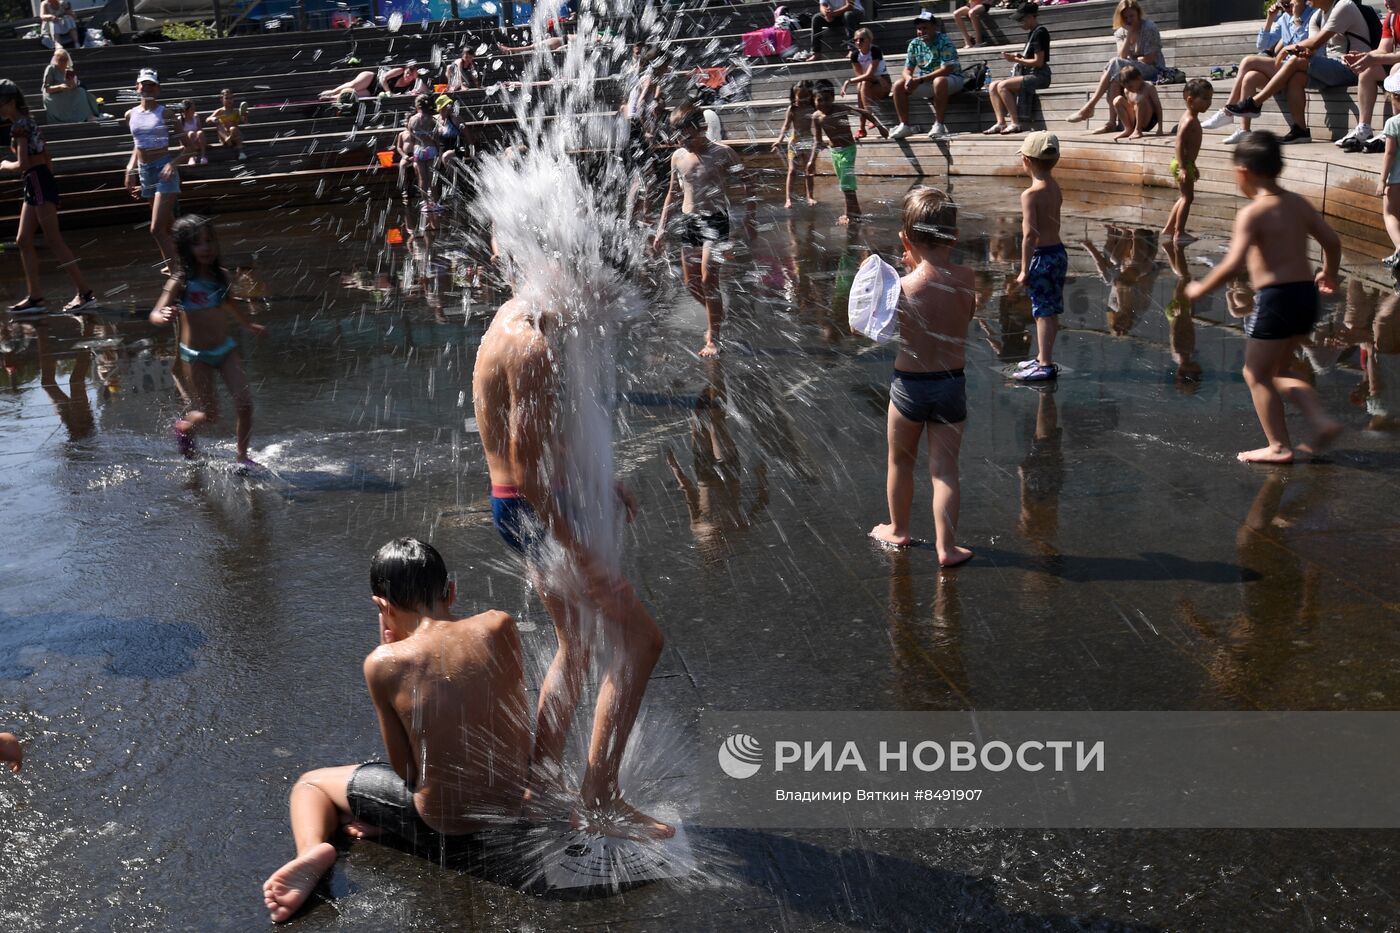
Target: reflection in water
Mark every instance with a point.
(73, 407)
(1181, 322)
(1128, 266)
(928, 657)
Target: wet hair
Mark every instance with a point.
(424, 103)
(10, 91)
(1197, 88)
(1129, 73)
(1123, 7)
(409, 574)
(686, 116)
(930, 218)
(1260, 153)
(823, 86)
(803, 85)
(186, 232)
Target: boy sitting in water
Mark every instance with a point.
(1197, 94)
(929, 391)
(450, 694)
(701, 169)
(1271, 239)
(11, 752)
(833, 119)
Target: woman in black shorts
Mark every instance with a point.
(40, 208)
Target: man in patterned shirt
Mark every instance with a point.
(931, 69)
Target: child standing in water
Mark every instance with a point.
(1197, 94)
(450, 696)
(701, 169)
(1271, 240)
(1044, 262)
(796, 136)
(832, 119)
(39, 206)
(199, 297)
(929, 392)
(1390, 172)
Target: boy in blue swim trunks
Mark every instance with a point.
(199, 297)
(515, 389)
(1271, 240)
(1044, 261)
(450, 696)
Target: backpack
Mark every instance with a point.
(974, 76)
(1373, 27)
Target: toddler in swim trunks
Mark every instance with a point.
(928, 391)
(1197, 94)
(1271, 240)
(1044, 262)
(832, 119)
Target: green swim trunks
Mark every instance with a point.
(1189, 169)
(843, 160)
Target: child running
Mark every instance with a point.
(929, 391)
(38, 207)
(1390, 172)
(1197, 94)
(796, 136)
(199, 297)
(1271, 240)
(227, 120)
(1044, 262)
(701, 169)
(832, 119)
(450, 696)
(191, 134)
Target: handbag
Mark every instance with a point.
(975, 76)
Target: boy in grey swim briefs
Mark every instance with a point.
(1271, 240)
(928, 392)
(450, 695)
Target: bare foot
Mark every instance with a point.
(709, 350)
(1323, 438)
(1123, 135)
(956, 557)
(885, 535)
(289, 886)
(358, 829)
(1084, 114)
(787, 204)
(811, 202)
(843, 221)
(620, 820)
(1266, 455)
(1184, 238)
(1136, 134)
(1109, 128)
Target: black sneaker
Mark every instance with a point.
(1374, 146)
(1248, 107)
(1351, 144)
(1299, 134)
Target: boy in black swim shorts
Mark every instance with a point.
(702, 169)
(1271, 239)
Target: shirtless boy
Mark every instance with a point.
(450, 695)
(833, 119)
(1197, 94)
(227, 120)
(929, 392)
(701, 168)
(515, 388)
(1271, 240)
(1044, 262)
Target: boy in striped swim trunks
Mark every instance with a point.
(833, 119)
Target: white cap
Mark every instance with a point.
(874, 302)
(924, 16)
(147, 74)
(1392, 84)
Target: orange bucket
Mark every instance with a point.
(439, 88)
(394, 236)
(386, 158)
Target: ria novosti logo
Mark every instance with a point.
(740, 756)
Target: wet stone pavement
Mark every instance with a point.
(177, 644)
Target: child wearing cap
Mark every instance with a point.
(1271, 241)
(1390, 172)
(928, 391)
(38, 207)
(1044, 261)
(832, 119)
(1197, 93)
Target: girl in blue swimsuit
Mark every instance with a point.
(199, 297)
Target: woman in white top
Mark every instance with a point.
(151, 172)
(871, 78)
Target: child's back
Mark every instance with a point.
(1277, 224)
(935, 312)
(1040, 203)
(459, 696)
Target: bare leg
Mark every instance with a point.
(1046, 329)
(809, 181)
(1087, 111)
(318, 800)
(944, 445)
(28, 252)
(960, 16)
(1367, 82)
(998, 105)
(852, 214)
(791, 172)
(559, 696)
(1391, 211)
(237, 383)
(976, 14)
(940, 98)
(1325, 428)
(1127, 115)
(1263, 361)
(713, 300)
(902, 440)
(200, 379)
(53, 238)
(162, 219)
(901, 102)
